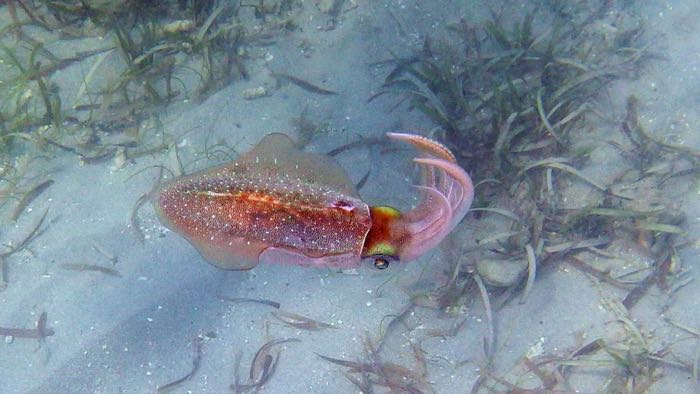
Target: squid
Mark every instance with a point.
(278, 204)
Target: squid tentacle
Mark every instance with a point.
(425, 145)
(460, 178)
(446, 194)
(430, 230)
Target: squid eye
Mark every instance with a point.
(381, 263)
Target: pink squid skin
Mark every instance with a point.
(448, 193)
(277, 204)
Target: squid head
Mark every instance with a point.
(447, 192)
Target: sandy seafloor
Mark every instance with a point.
(134, 333)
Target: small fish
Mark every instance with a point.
(308, 86)
(30, 196)
(301, 322)
(273, 304)
(91, 267)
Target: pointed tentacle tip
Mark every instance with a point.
(424, 144)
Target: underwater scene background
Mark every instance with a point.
(574, 270)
